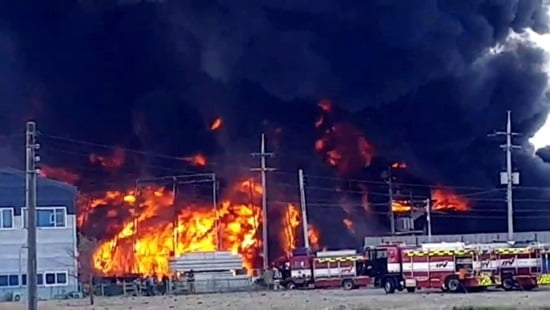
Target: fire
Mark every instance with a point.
(59, 174)
(399, 165)
(319, 121)
(314, 237)
(349, 225)
(400, 206)
(345, 148)
(196, 160)
(114, 161)
(216, 124)
(161, 227)
(291, 228)
(444, 200)
(325, 105)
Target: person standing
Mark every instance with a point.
(191, 281)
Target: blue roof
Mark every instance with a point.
(40, 180)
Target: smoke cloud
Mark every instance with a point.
(426, 80)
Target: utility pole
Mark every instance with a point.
(30, 202)
(429, 218)
(219, 244)
(390, 202)
(304, 207)
(509, 177)
(263, 169)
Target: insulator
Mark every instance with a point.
(37, 146)
(37, 158)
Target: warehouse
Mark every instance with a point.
(56, 236)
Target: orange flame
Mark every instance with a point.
(345, 148)
(445, 200)
(59, 174)
(160, 229)
(401, 206)
(291, 226)
(216, 124)
(196, 160)
(314, 237)
(114, 161)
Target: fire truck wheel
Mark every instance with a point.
(452, 284)
(389, 286)
(348, 284)
(508, 284)
(291, 286)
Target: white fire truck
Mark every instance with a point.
(453, 266)
(326, 269)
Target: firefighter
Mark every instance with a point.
(462, 274)
(191, 281)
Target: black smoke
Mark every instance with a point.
(426, 80)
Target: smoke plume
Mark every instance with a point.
(426, 80)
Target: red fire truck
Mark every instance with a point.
(326, 269)
(453, 266)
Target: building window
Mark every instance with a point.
(55, 278)
(49, 217)
(9, 280)
(6, 218)
(39, 279)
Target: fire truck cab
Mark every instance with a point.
(326, 269)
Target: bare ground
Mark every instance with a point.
(306, 300)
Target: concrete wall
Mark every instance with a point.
(56, 245)
(540, 236)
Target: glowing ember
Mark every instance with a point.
(216, 124)
(444, 200)
(196, 160)
(114, 161)
(59, 174)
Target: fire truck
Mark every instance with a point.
(326, 269)
(453, 266)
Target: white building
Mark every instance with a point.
(56, 236)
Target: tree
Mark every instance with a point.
(84, 259)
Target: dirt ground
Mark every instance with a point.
(306, 300)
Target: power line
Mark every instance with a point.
(285, 173)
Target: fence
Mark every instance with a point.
(211, 285)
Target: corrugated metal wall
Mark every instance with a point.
(540, 236)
